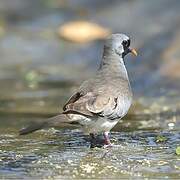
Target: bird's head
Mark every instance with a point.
(120, 44)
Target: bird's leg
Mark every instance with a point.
(92, 135)
(93, 140)
(106, 139)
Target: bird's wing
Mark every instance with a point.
(90, 104)
(101, 104)
(77, 104)
(72, 99)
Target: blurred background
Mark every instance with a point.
(48, 47)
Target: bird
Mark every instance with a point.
(101, 101)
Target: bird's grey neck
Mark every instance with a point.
(113, 64)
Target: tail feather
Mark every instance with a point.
(32, 127)
(51, 122)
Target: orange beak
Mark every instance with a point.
(134, 52)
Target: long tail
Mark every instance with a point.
(55, 121)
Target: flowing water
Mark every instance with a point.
(39, 72)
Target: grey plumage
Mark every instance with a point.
(57, 121)
(100, 102)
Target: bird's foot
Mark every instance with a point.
(99, 142)
(107, 141)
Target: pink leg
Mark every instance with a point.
(106, 138)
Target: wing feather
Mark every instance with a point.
(90, 104)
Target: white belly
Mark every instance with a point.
(94, 125)
(100, 125)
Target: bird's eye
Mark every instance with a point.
(126, 43)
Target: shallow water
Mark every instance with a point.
(144, 146)
(39, 72)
